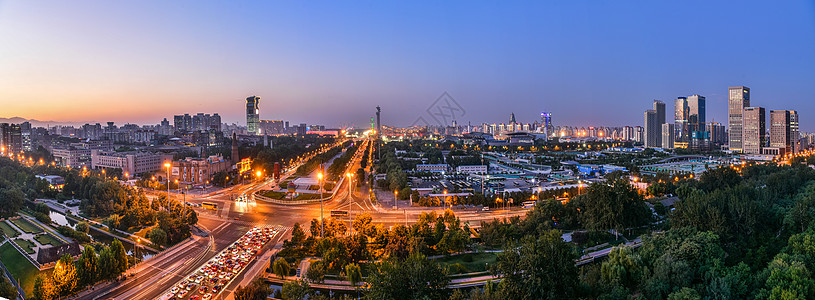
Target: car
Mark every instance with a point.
(216, 288)
(190, 286)
(174, 289)
(202, 290)
(182, 293)
(169, 295)
(194, 297)
(207, 296)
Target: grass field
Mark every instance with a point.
(27, 245)
(273, 194)
(23, 271)
(8, 230)
(26, 226)
(47, 239)
(307, 196)
(471, 262)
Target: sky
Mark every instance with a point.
(595, 63)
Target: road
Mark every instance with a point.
(233, 218)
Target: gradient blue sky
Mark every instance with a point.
(331, 62)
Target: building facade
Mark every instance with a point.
(253, 115)
(198, 170)
(130, 162)
(668, 136)
(753, 130)
(783, 130)
(654, 118)
(738, 100)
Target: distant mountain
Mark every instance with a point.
(34, 123)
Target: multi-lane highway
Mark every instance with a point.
(232, 219)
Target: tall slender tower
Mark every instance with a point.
(378, 124)
(235, 157)
(739, 99)
(253, 115)
(681, 119)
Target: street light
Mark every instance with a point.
(167, 165)
(395, 204)
(350, 201)
(320, 179)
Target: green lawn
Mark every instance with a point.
(273, 194)
(23, 271)
(47, 239)
(26, 226)
(27, 245)
(8, 230)
(305, 196)
(471, 262)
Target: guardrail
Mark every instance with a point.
(296, 202)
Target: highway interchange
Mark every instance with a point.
(152, 278)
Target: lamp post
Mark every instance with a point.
(395, 197)
(350, 201)
(167, 165)
(320, 179)
(445, 198)
(105, 174)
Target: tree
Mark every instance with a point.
(88, 267)
(362, 224)
(7, 290)
(296, 290)
(788, 280)
(297, 235)
(612, 206)
(158, 236)
(281, 267)
(11, 200)
(623, 267)
(119, 254)
(257, 290)
(44, 288)
(82, 227)
(538, 268)
(416, 277)
(353, 273)
(107, 264)
(65, 277)
(316, 272)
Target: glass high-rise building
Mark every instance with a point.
(253, 115)
(696, 113)
(739, 99)
(753, 130)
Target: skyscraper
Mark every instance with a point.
(739, 99)
(253, 115)
(753, 130)
(546, 124)
(668, 136)
(784, 130)
(681, 119)
(794, 134)
(696, 113)
(654, 118)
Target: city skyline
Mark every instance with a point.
(541, 57)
